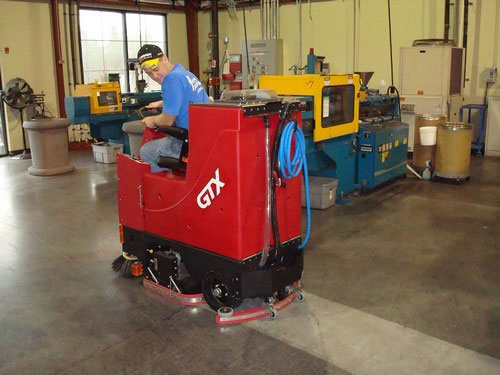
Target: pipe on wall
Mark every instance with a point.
(495, 44)
(262, 19)
(215, 48)
(447, 5)
(66, 45)
(192, 36)
(54, 8)
(464, 38)
(299, 4)
(72, 42)
(80, 53)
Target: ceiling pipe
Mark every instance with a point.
(54, 8)
(256, 3)
(135, 4)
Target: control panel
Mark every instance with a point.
(265, 57)
(490, 75)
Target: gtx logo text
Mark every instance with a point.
(207, 195)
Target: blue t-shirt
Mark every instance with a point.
(178, 89)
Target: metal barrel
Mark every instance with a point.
(423, 153)
(453, 150)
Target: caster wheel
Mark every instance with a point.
(273, 313)
(216, 292)
(225, 312)
(300, 296)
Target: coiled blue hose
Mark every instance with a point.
(290, 166)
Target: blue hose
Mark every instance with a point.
(290, 166)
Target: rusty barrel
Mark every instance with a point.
(453, 150)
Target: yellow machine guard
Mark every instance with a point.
(104, 97)
(322, 88)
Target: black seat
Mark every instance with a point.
(179, 163)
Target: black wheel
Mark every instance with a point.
(273, 313)
(217, 293)
(300, 296)
(225, 312)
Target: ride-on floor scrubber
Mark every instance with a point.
(224, 221)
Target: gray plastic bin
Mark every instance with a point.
(322, 192)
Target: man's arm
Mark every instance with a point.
(157, 104)
(165, 120)
(159, 120)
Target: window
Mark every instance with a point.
(142, 29)
(108, 36)
(338, 105)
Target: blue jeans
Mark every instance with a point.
(166, 146)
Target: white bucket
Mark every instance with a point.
(428, 135)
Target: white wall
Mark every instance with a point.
(480, 46)
(25, 29)
(177, 39)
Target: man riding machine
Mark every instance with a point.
(224, 220)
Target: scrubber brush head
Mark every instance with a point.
(123, 264)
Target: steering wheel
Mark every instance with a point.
(145, 112)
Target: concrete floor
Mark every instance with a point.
(404, 280)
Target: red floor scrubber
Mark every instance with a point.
(224, 222)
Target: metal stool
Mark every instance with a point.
(477, 145)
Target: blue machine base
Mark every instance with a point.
(334, 158)
(383, 153)
(109, 128)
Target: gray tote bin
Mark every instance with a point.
(322, 192)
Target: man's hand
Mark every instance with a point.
(159, 120)
(150, 121)
(154, 105)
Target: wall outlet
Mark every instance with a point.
(490, 75)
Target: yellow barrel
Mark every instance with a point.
(423, 153)
(453, 150)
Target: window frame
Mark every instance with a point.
(125, 39)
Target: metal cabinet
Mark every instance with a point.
(430, 82)
(492, 144)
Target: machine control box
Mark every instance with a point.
(265, 58)
(103, 97)
(490, 75)
(382, 153)
(408, 108)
